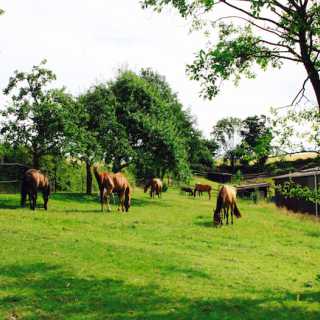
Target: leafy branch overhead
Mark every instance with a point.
(263, 33)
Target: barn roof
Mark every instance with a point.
(303, 173)
(253, 186)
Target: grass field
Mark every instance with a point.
(163, 260)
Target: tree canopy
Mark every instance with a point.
(36, 116)
(263, 33)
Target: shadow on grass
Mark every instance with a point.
(74, 197)
(42, 291)
(149, 202)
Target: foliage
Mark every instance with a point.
(257, 137)
(293, 190)
(297, 130)
(262, 33)
(226, 133)
(163, 260)
(36, 116)
(150, 119)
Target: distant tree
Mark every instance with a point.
(150, 118)
(36, 116)
(268, 33)
(257, 137)
(226, 133)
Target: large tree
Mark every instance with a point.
(148, 113)
(268, 33)
(36, 116)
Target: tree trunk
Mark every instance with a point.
(35, 161)
(89, 177)
(309, 66)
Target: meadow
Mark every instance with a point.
(162, 260)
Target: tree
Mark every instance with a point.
(269, 33)
(93, 126)
(149, 115)
(36, 117)
(257, 137)
(227, 134)
(298, 130)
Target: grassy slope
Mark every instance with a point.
(163, 260)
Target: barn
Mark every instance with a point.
(307, 178)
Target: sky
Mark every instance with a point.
(87, 41)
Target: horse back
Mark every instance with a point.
(120, 182)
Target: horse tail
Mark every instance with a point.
(97, 175)
(236, 211)
(127, 197)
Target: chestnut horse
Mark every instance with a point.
(33, 180)
(202, 188)
(155, 185)
(110, 183)
(226, 200)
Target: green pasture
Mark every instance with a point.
(162, 260)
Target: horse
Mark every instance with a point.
(187, 190)
(33, 180)
(202, 188)
(226, 200)
(110, 183)
(155, 185)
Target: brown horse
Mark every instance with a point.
(110, 183)
(202, 188)
(155, 185)
(33, 180)
(226, 200)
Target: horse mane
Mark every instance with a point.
(219, 201)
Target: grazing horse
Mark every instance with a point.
(110, 183)
(155, 185)
(202, 188)
(187, 190)
(226, 200)
(33, 180)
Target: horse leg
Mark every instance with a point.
(109, 192)
(232, 210)
(209, 193)
(31, 200)
(226, 214)
(45, 200)
(101, 198)
(121, 201)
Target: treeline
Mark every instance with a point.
(244, 144)
(133, 122)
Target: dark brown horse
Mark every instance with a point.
(110, 183)
(155, 185)
(226, 200)
(187, 190)
(202, 188)
(33, 180)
